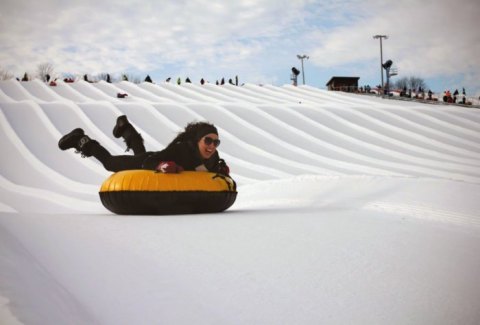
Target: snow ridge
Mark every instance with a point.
(268, 132)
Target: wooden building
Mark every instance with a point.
(348, 84)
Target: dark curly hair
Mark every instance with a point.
(193, 132)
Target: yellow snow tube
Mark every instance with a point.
(150, 193)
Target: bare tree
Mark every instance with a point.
(106, 77)
(410, 83)
(5, 74)
(402, 83)
(416, 83)
(45, 71)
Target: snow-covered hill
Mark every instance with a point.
(351, 209)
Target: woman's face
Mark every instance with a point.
(208, 144)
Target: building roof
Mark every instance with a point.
(342, 79)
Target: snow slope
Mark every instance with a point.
(351, 209)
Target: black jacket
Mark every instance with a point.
(185, 154)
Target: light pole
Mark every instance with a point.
(381, 54)
(302, 57)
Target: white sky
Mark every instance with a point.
(437, 40)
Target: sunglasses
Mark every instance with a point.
(208, 141)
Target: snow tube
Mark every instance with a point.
(150, 193)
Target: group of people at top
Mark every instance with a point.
(202, 81)
(449, 98)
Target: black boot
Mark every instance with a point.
(132, 138)
(77, 140)
(84, 146)
(121, 125)
(70, 140)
